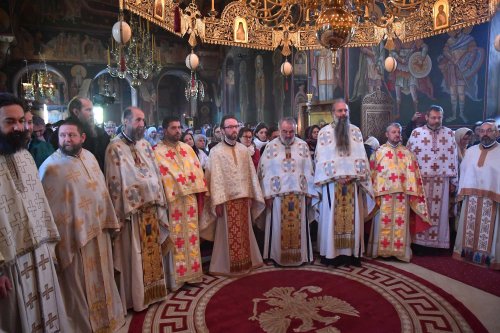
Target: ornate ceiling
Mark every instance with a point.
(222, 29)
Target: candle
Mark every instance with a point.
(109, 60)
(148, 27)
(213, 5)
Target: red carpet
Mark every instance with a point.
(313, 298)
(475, 276)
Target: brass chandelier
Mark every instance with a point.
(310, 24)
(334, 21)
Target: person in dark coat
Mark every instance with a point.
(80, 110)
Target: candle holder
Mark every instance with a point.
(309, 102)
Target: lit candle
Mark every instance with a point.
(213, 5)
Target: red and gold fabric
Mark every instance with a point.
(180, 170)
(238, 237)
(182, 178)
(395, 171)
(184, 233)
(393, 226)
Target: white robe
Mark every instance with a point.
(287, 171)
(332, 164)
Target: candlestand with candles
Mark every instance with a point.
(139, 57)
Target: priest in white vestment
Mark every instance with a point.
(286, 175)
(30, 296)
(436, 151)
(478, 237)
(343, 172)
(134, 184)
(84, 215)
(235, 199)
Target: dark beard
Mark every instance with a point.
(342, 136)
(487, 141)
(13, 142)
(71, 151)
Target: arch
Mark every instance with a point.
(133, 91)
(34, 67)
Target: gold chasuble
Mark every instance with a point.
(232, 182)
(401, 201)
(28, 236)
(182, 178)
(83, 212)
(137, 194)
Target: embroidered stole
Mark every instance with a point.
(290, 228)
(343, 232)
(393, 223)
(183, 217)
(238, 235)
(480, 217)
(152, 263)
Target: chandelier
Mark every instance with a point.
(38, 85)
(194, 88)
(133, 51)
(335, 21)
(310, 24)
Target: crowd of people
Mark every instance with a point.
(93, 226)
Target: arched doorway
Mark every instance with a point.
(171, 98)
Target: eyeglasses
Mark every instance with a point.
(231, 127)
(488, 131)
(246, 137)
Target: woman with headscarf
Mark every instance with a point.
(312, 138)
(463, 136)
(188, 138)
(260, 136)
(151, 136)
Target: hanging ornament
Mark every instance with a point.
(192, 61)
(286, 68)
(121, 32)
(194, 88)
(390, 64)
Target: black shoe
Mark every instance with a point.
(356, 261)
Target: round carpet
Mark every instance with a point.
(313, 298)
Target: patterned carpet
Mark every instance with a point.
(470, 274)
(312, 298)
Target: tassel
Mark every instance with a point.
(286, 84)
(177, 19)
(122, 64)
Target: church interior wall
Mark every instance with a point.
(70, 37)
